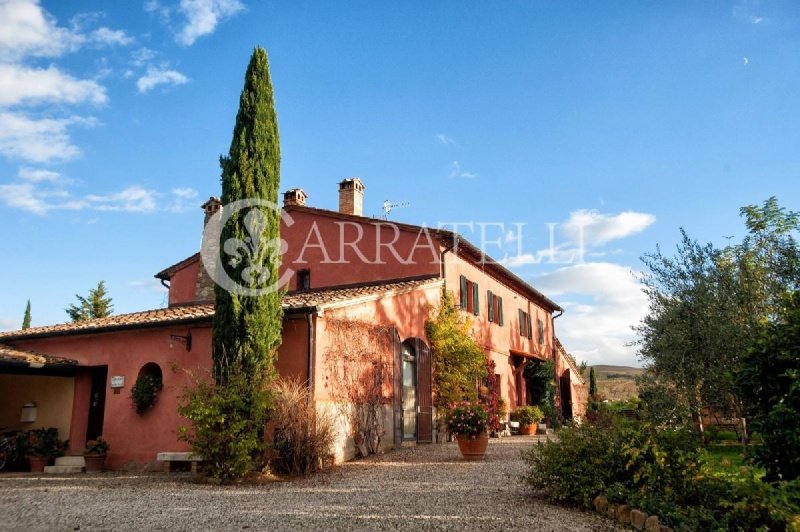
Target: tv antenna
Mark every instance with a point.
(388, 207)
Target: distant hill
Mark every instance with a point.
(616, 383)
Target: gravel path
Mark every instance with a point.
(426, 487)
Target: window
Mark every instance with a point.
(495, 307)
(304, 280)
(525, 327)
(541, 332)
(470, 300)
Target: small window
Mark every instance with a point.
(490, 301)
(541, 332)
(304, 280)
(523, 323)
(499, 309)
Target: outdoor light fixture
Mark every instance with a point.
(186, 340)
(28, 414)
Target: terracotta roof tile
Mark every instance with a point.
(12, 354)
(199, 312)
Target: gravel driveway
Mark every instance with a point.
(425, 487)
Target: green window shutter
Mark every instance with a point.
(541, 332)
(476, 305)
(521, 323)
(530, 328)
(463, 293)
(500, 310)
(491, 304)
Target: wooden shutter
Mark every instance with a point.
(490, 301)
(522, 323)
(541, 332)
(476, 305)
(424, 393)
(464, 295)
(500, 310)
(397, 392)
(530, 327)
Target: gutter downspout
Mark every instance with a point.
(555, 365)
(310, 360)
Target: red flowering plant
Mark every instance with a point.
(467, 419)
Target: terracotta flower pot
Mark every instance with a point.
(472, 448)
(527, 430)
(94, 462)
(37, 463)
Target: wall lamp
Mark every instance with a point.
(186, 340)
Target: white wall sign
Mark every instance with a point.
(117, 381)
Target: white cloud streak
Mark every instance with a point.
(23, 85)
(159, 76)
(598, 330)
(38, 140)
(203, 16)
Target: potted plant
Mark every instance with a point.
(43, 445)
(468, 422)
(528, 417)
(94, 454)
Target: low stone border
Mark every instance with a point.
(625, 515)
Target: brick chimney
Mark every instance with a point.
(351, 196)
(295, 196)
(204, 288)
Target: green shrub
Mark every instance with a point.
(227, 425)
(528, 415)
(660, 471)
(44, 443)
(144, 392)
(303, 438)
(585, 462)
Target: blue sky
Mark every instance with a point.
(631, 119)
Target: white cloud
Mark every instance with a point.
(27, 30)
(202, 17)
(141, 56)
(38, 140)
(447, 141)
(23, 85)
(457, 173)
(157, 76)
(130, 199)
(37, 175)
(38, 199)
(183, 198)
(110, 37)
(10, 324)
(596, 229)
(607, 299)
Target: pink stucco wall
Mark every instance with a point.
(133, 438)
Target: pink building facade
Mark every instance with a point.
(340, 265)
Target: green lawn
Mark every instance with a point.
(728, 461)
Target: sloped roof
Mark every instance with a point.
(570, 361)
(31, 358)
(456, 242)
(292, 301)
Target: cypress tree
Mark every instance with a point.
(246, 329)
(592, 384)
(26, 320)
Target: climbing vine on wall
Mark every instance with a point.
(359, 370)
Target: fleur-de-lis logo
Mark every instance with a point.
(253, 252)
(250, 251)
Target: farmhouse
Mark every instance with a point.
(340, 266)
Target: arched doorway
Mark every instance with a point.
(412, 402)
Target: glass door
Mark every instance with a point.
(409, 394)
